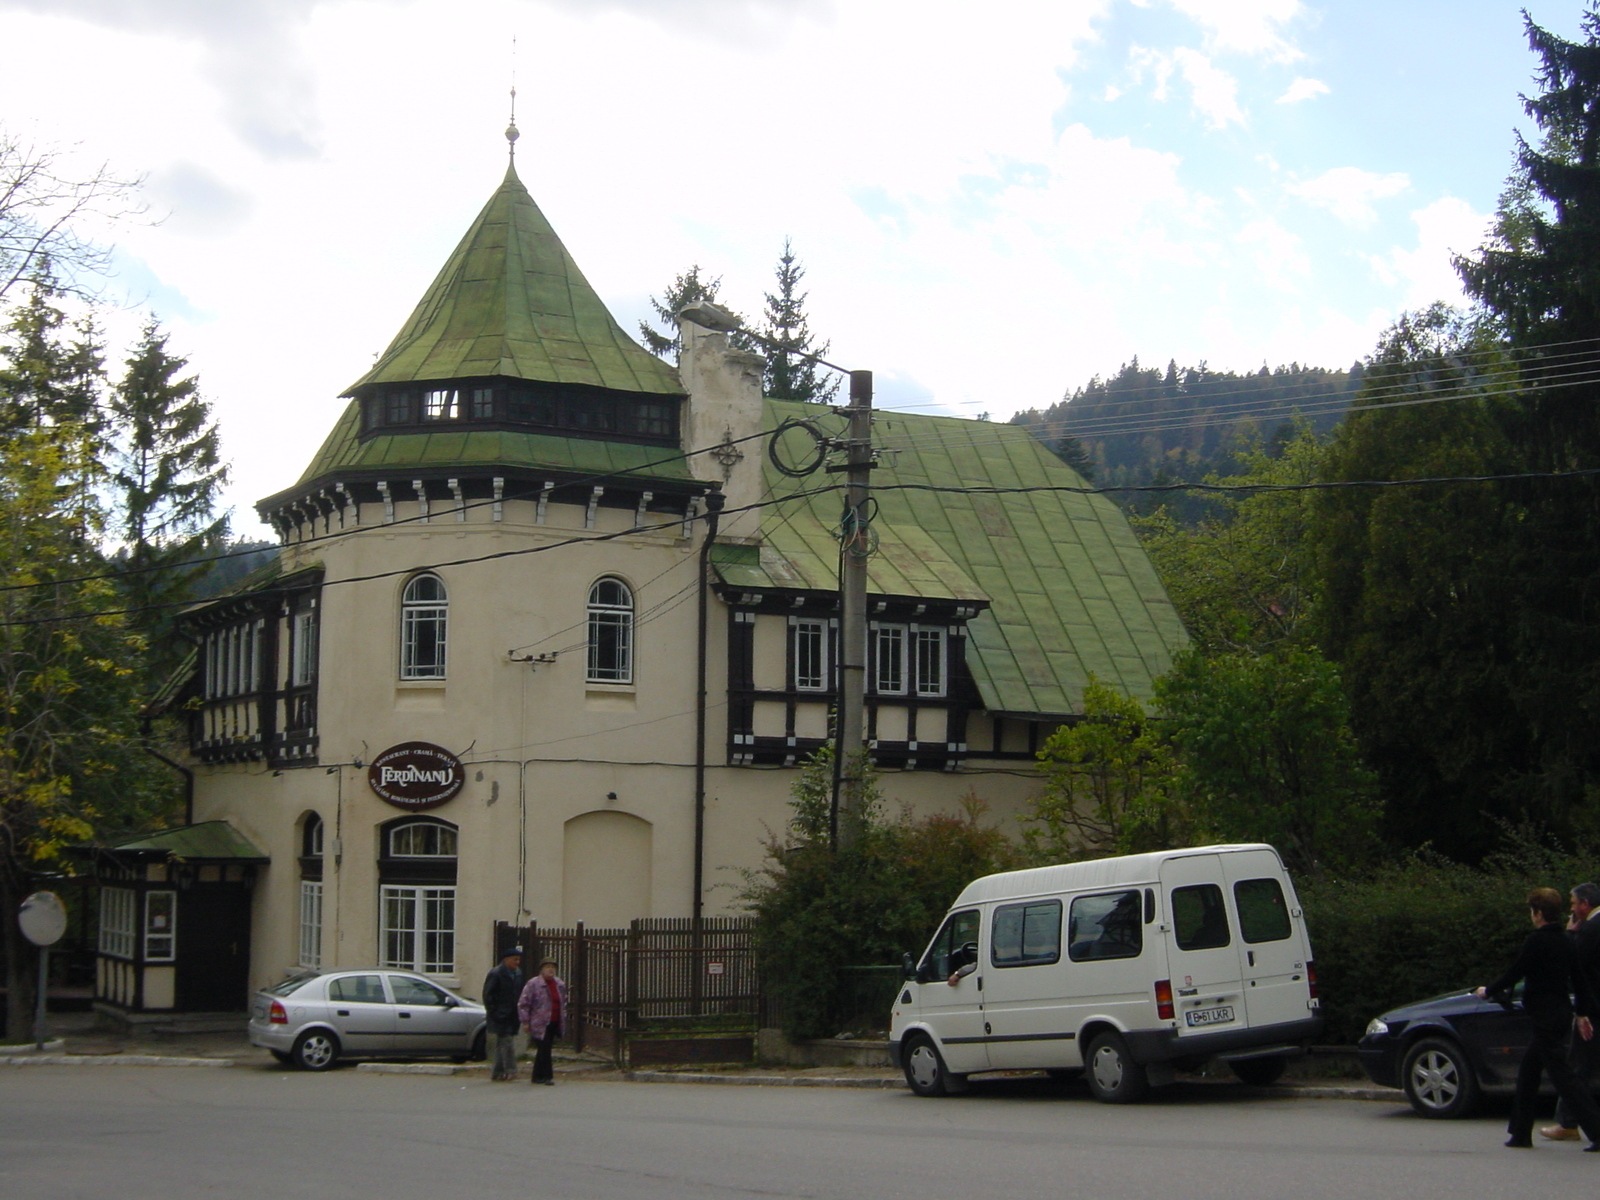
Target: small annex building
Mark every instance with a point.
(470, 688)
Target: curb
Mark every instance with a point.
(1266, 1093)
(419, 1069)
(52, 1046)
(762, 1080)
(109, 1060)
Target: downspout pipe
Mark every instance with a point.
(714, 502)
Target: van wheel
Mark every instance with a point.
(1438, 1080)
(925, 1070)
(1260, 1072)
(1114, 1077)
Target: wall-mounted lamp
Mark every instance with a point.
(611, 795)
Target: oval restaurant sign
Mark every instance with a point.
(416, 775)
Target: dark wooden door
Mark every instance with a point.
(213, 949)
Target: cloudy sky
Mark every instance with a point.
(994, 203)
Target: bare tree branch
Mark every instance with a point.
(44, 212)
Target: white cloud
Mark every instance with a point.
(1279, 256)
(1303, 89)
(1213, 93)
(1348, 193)
(1445, 227)
(1250, 27)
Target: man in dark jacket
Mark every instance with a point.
(1549, 965)
(501, 987)
(1583, 1054)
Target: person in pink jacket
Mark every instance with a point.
(543, 1010)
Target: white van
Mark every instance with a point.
(1124, 968)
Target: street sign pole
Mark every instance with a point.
(43, 919)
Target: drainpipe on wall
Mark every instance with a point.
(714, 503)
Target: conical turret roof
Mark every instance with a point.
(510, 301)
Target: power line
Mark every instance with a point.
(1498, 352)
(1285, 409)
(418, 519)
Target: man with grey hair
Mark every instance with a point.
(1583, 1055)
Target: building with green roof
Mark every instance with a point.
(551, 631)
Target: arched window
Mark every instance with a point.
(424, 613)
(610, 632)
(417, 895)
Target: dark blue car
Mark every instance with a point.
(1446, 1052)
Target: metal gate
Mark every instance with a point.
(656, 977)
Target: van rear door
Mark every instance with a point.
(1207, 983)
(1272, 936)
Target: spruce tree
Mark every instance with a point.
(788, 336)
(52, 368)
(1539, 277)
(166, 474)
(687, 288)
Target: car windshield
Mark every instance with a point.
(289, 986)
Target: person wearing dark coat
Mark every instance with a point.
(502, 987)
(1548, 968)
(1583, 1054)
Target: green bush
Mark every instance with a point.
(818, 909)
(1422, 927)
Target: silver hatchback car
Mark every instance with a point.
(314, 1019)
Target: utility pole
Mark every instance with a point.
(855, 546)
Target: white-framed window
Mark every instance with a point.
(160, 926)
(117, 908)
(422, 840)
(889, 660)
(424, 616)
(311, 923)
(419, 928)
(810, 655)
(610, 632)
(909, 658)
(927, 659)
(303, 648)
(439, 404)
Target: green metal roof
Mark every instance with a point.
(207, 840)
(345, 450)
(1071, 591)
(510, 301)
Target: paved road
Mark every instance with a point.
(135, 1133)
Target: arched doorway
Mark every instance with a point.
(606, 876)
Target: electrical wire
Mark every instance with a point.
(678, 456)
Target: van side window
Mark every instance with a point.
(1105, 926)
(1026, 935)
(1263, 915)
(1199, 921)
(949, 951)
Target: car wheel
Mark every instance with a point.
(480, 1046)
(1114, 1077)
(1260, 1072)
(925, 1070)
(1438, 1079)
(315, 1050)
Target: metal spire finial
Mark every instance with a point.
(511, 130)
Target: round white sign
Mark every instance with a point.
(43, 918)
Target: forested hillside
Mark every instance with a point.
(1144, 425)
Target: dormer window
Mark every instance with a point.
(439, 404)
